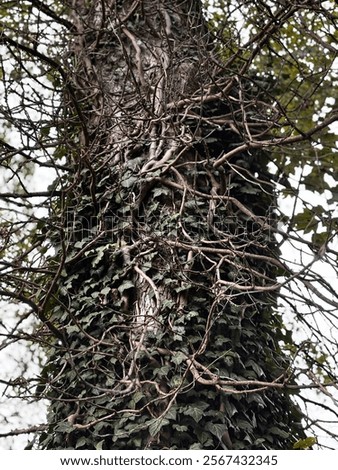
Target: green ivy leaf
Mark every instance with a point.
(180, 428)
(64, 427)
(99, 445)
(105, 290)
(81, 442)
(160, 191)
(216, 429)
(196, 411)
(278, 432)
(156, 425)
(125, 286)
(178, 358)
(129, 182)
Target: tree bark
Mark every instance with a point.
(167, 295)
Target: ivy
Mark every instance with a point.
(160, 268)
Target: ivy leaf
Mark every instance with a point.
(196, 411)
(279, 432)
(178, 358)
(80, 243)
(255, 367)
(64, 427)
(167, 303)
(129, 182)
(161, 191)
(230, 408)
(100, 253)
(180, 428)
(156, 425)
(81, 442)
(216, 429)
(172, 413)
(99, 445)
(125, 286)
(244, 424)
(105, 290)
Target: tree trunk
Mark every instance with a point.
(166, 300)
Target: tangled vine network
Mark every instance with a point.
(168, 258)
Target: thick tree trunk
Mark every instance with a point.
(167, 296)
